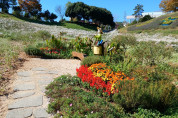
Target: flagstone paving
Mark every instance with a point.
(28, 99)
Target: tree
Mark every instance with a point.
(61, 11)
(138, 10)
(169, 5)
(30, 6)
(98, 15)
(46, 15)
(52, 17)
(5, 4)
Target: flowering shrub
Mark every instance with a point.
(47, 50)
(86, 75)
(101, 76)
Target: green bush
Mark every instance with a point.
(88, 61)
(159, 95)
(67, 99)
(121, 44)
(145, 18)
(32, 50)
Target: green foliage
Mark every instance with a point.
(151, 53)
(82, 45)
(32, 50)
(88, 61)
(54, 43)
(43, 34)
(159, 95)
(145, 18)
(121, 43)
(80, 10)
(68, 99)
(138, 10)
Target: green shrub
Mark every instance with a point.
(159, 95)
(88, 61)
(32, 50)
(121, 43)
(67, 99)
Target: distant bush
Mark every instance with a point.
(145, 18)
(88, 61)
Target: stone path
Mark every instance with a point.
(28, 99)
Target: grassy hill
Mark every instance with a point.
(154, 25)
(73, 25)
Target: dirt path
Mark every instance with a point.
(28, 98)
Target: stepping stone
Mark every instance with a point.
(19, 113)
(40, 113)
(38, 69)
(53, 72)
(45, 81)
(25, 86)
(24, 74)
(25, 79)
(43, 89)
(46, 77)
(22, 94)
(32, 101)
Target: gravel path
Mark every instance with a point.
(28, 98)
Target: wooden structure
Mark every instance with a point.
(81, 56)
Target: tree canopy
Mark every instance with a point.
(80, 11)
(5, 4)
(169, 5)
(138, 10)
(30, 6)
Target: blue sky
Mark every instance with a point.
(117, 7)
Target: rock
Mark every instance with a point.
(22, 94)
(43, 89)
(53, 72)
(32, 101)
(24, 74)
(40, 113)
(25, 86)
(19, 113)
(38, 69)
(45, 81)
(25, 79)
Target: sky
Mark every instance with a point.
(118, 8)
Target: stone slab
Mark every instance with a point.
(24, 86)
(24, 74)
(43, 89)
(32, 101)
(38, 69)
(40, 113)
(25, 79)
(44, 81)
(53, 72)
(22, 94)
(19, 113)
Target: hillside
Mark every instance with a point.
(156, 23)
(10, 22)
